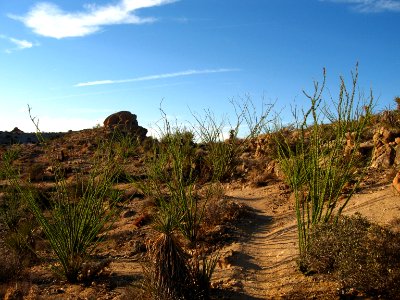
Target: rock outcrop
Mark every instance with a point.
(385, 148)
(125, 121)
(17, 136)
(122, 120)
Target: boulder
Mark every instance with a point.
(385, 152)
(125, 121)
(122, 120)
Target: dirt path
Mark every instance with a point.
(262, 264)
(264, 261)
(268, 258)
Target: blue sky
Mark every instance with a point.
(76, 62)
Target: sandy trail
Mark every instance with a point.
(263, 262)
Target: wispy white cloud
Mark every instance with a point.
(371, 6)
(19, 44)
(48, 19)
(155, 77)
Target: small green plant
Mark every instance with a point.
(125, 144)
(319, 168)
(40, 137)
(172, 273)
(223, 149)
(171, 181)
(75, 220)
(15, 215)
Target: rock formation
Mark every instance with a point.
(125, 121)
(384, 153)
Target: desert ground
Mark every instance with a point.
(253, 229)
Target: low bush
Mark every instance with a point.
(361, 255)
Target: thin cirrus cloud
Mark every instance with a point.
(49, 20)
(156, 77)
(18, 44)
(371, 6)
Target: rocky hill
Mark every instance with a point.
(249, 218)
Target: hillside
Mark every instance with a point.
(249, 218)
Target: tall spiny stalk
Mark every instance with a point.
(319, 168)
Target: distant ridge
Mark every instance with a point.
(17, 136)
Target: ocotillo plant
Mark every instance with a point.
(319, 167)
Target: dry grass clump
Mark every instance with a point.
(389, 119)
(172, 272)
(220, 218)
(223, 211)
(168, 276)
(361, 255)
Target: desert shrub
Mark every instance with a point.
(390, 119)
(320, 169)
(397, 100)
(74, 221)
(74, 225)
(361, 255)
(170, 179)
(223, 149)
(21, 241)
(169, 274)
(330, 240)
(125, 144)
(222, 211)
(15, 215)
